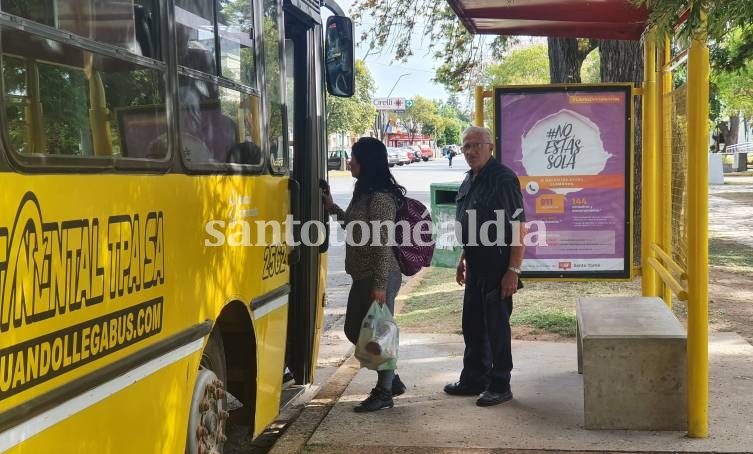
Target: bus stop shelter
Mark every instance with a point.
(674, 229)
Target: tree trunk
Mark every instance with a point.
(566, 57)
(734, 130)
(723, 128)
(621, 61)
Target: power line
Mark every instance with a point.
(400, 66)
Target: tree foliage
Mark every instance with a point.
(453, 122)
(464, 55)
(356, 114)
(439, 30)
(527, 65)
(731, 84)
(420, 116)
(442, 121)
(520, 66)
(590, 71)
(722, 15)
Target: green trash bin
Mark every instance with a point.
(447, 249)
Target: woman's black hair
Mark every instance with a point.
(374, 175)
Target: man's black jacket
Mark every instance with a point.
(496, 187)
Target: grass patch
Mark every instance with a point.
(436, 304)
(557, 322)
(730, 253)
(739, 174)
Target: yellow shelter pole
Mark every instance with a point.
(254, 113)
(478, 118)
(33, 111)
(649, 193)
(665, 146)
(99, 116)
(698, 267)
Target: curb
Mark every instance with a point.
(307, 420)
(295, 437)
(407, 289)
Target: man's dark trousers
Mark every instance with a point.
(487, 361)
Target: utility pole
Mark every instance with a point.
(395, 85)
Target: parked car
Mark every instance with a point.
(409, 153)
(426, 153)
(333, 161)
(416, 151)
(402, 156)
(393, 156)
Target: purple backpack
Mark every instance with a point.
(416, 252)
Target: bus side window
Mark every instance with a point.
(236, 33)
(195, 35)
(146, 22)
(65, 101)
(218, 125)
(248, 150)
(127, 24)
(275, 85)
(70, 102)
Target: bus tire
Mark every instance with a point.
(208, 415)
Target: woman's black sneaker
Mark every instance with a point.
(377, 400)
(398, 387)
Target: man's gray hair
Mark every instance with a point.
(479, 130)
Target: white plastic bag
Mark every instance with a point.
(378, 339)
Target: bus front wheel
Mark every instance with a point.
(207, 420)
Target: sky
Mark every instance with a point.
(419, 68)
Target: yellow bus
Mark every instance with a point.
(129, 127)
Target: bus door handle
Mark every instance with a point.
(294, 188)
(324, 247)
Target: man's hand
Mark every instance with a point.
(379, 296)
(460, 273)
(509, 284)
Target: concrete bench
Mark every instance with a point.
(632, 354)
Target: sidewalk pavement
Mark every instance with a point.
(545, 414)
(731, 220)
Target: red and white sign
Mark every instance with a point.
(389, 103)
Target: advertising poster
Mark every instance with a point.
(570, 147)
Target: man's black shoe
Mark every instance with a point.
(377, 400)
(489, 398)
(398, 387)
(461, 389)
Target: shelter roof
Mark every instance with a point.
(599, 19)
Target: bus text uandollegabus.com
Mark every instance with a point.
(54, 269)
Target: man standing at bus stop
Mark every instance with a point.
(489, 267)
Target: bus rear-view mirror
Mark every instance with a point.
(339, 52)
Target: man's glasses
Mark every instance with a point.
(473, 146)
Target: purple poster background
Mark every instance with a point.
(570, 149)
